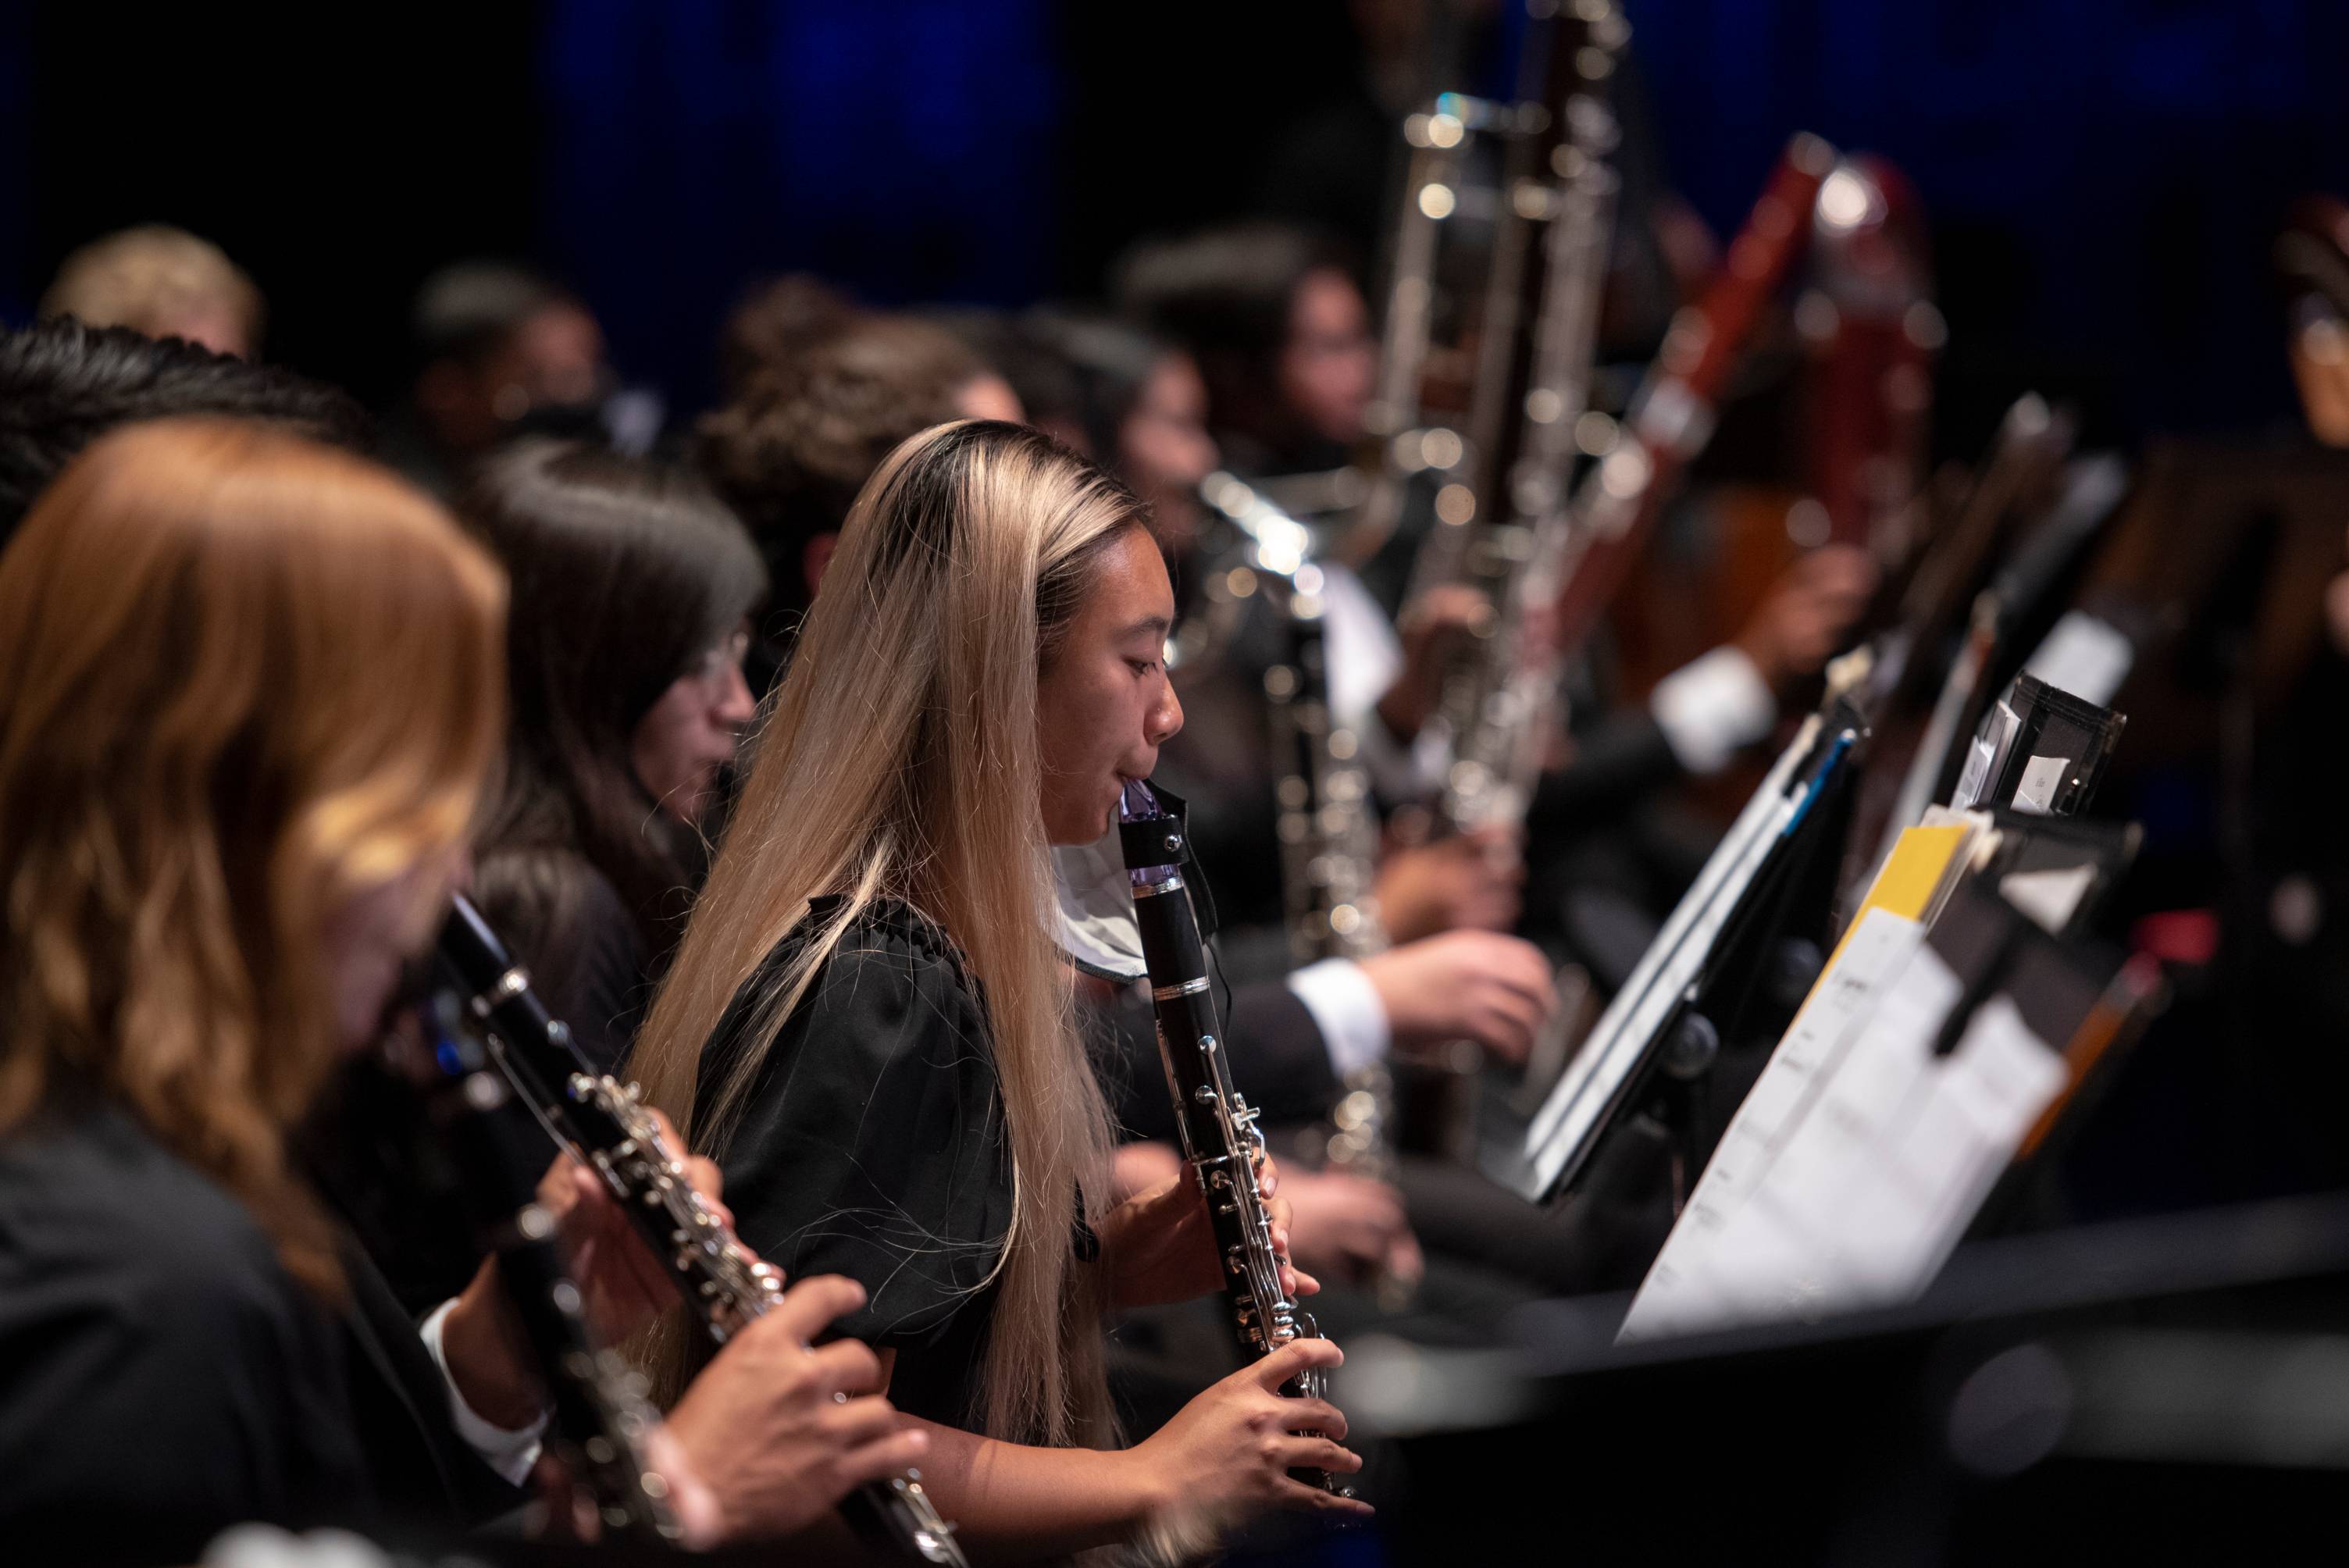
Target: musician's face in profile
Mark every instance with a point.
(370, 937)
(1103, 706)
(1165, 449)
(1330, 366)
(989, 396)
(692, 732)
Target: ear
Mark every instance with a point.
(814, 557)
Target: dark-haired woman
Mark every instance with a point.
(632, 586)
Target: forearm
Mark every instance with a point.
(1010, 1503)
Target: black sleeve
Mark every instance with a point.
(873, 1142)
(1618, 763)
(600, 989)
(1278, 1054)
(423, 1469)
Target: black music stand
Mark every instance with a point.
(1707, 968)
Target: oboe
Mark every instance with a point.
(1219, 1133)
(603, 1124)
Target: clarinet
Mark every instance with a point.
(604, 1126)
(1220, 1133)
(600, 1421)
(1327, 824)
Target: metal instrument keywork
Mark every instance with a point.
(1220, 1138)
(1327, 822)
(599, 1421)
(604, 1126)
(1503, 527)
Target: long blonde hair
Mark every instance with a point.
(243, 677)
(900, 761)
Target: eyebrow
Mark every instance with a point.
(1160, 624)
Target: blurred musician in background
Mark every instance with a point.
(1295, 1037)
(803, 433)
(64, 383)
(500, 350)
(633, 587)
(209, 904)
(775, 322)
(1281, 335)
(165, 283)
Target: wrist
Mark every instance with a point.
(485, 1366)
(1403, 711)
(1145, 1486)
(1402, 1025)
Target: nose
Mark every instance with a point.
(1166, 716)
(736, 706)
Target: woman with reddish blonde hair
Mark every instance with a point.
(250, 693)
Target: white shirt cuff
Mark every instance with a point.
(1398, 771)
(509, 1453)
(1712, 707)
(1347, 1010)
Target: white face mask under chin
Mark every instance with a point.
(1096, 894)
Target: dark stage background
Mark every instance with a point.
(2103, 175)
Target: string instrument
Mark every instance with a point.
(1220, 1138)
(604, 1126)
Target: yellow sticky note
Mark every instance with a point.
(1912, 874)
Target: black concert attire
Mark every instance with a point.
(570, 927)
(166, 1377)
(874, 1145)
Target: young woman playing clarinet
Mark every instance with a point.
(869, 1023)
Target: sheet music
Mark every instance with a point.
(1860, 1156)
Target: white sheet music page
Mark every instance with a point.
(1847, 1181)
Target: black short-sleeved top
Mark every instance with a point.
(874, 1145)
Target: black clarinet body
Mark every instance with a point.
(599, 1420)
(602, 1123)
(1220, 1138)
